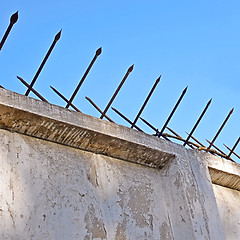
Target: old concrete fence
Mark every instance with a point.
(66, 175)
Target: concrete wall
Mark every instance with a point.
(66, 175)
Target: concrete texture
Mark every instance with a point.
(228, 201)
(66, 175)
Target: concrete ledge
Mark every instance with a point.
(224, 172)
(53, 123)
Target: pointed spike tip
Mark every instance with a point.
(14, 18)
(58, 35)
(130, 68)
(158, 79)
(231, 111)
(185, 89)
(99, 51)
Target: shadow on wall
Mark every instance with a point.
(50, 191)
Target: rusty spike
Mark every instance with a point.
(180, 138)
(223, 153)
(198, 121)
(173, 111)
(13, 20)
(56, 38)
(231, 150)
(146, 101)
(116, 92)
(220, 129)
(125, 118)
(65, 99)
(33, 90)
(235, 145)
(91, 101)
(196, 140)
(98, 52)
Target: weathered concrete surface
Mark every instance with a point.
(223, 172)
(51, 191)
(73, 186)
(39, 119)
(228, 201)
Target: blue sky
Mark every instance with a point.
(189, 43)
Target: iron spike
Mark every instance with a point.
(65, 99)
(116, 92)
(196, 140)
(145, 102)
(13, 20)
(235, 145)
(180, 138)
(33, 90)
(91, 101)
(230, 150)
(198, 121)
(220, 129)
(125, 118)
(217, 148)
(173, 111)
(58, 35)
(98, 52)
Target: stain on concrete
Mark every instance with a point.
(94, 224)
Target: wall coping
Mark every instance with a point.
(43, 120)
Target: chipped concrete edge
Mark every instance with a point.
(39, 119)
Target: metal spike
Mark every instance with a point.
(98, 52)
(13, 20)
(116, 92)
(235, 145)
(180, 138)
(196, 140)
(217, 148)
(152, 127)
(125, 118)
(65, 99)
(146, 101)
(173, 111)
(33, 90)
(57, 37)
(231, 150)
(91, 101)
(198, 121)
(220, 129)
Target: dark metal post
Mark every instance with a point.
(173, 111)
(57, 37)
(116, 92)
(220, 129)
(13, 20)
(98, 52)
(198, 121)
(145, 102)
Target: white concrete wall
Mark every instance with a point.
(65, 175)
(228, 201)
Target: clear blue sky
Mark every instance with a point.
(190, 43)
